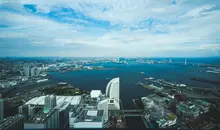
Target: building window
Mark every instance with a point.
(111, 101)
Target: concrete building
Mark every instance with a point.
(31, 110)
(187, 110)
(202, 105)
(40, 101)
(38, 71)
(44, 120)
(50, 102)
(23, 110)
(33, 71)
(167, 120)
(27, 71)
(95, 94)
(113, 93)
(89, 119)
(73, 115)
(156, 111)
(103, 105)
(91, 113)
(63, 109)
(12, 123)
(1, 109)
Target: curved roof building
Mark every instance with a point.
(112, 92)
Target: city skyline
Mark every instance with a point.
(83, 28)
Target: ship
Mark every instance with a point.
(42, 80)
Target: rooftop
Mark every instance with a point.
(90, 116)
(73, 100)
(41, 116)
(187, 108)
(95, 93)
(202, 103)
(63, 105)
(92, 113)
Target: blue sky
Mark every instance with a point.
(84, 28)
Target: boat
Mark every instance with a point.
(42, 80)
(142, 73)
(151, 78)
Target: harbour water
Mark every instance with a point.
(130, 74)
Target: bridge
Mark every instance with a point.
(133, 112)
(133, 115)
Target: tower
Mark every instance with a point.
(27, 71)
(1, 109)
(112, 92)
(50, 103)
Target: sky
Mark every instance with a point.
(110, 28)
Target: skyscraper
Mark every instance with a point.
(31, 110)
(50, 103)
(23, 110)
(33, 71)
(112, 92)
(27, 71)
(63, 108)
(1, 109)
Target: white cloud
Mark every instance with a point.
(175, 28)
(198, 11)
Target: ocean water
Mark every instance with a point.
(130, 74)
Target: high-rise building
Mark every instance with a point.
(38, 71)
(31, 110)
(50, 102)
(63, 108)
(27, 71)
(12, 123)
(33, 71)
(1, 109)
(112, 92)
(23, 110)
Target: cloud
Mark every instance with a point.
(111, 28)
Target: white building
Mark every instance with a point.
(73, 100)
(89, 119)
(27, 71)
(103, 105)
(112, 92)
(95, 94)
